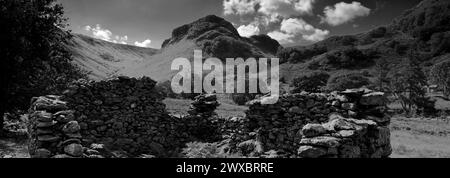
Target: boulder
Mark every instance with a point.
(42, 153)
(313, 130)
(74, 149)
(311, 152)
(71, 127)
(323, 141)
(373, 99)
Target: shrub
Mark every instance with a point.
(378, 32)
(166, 89)
(347, 58)
(440, 74)
(109, 57)
(242, 98)
(348, 81)
(310, 83)
(297, 55)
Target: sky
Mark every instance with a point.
(147, 23)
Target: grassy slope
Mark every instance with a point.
(420, 138)
(158, 66)
(104, 59)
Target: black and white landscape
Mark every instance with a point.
(92, 79)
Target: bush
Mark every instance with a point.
(348, 81)
(378, 32)
(310, 83)
(297, 55)
(242, 98)
(440, 43)
(166, 89)
(440, 75)
(347, 58)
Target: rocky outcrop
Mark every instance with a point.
(219, 38)
(201, 28)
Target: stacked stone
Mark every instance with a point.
(280, 124)
(202, 121)
(204, 106)
(345, 138)
(53, 129)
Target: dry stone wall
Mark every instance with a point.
(125, 114)
(348, 124)
(92, 118)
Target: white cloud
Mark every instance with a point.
(269, 10)
(317, 35)
(276, 9)
(105, 34)
(305, 6)
(145, 44)
(344, 12)
(248, 30)
(295, 26)
(298, 27)
(240, 7)
(281, 37)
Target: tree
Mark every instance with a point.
(440, 75)
(407, 85)
(382, 69)
(310, 83)
(34, 59)
(348, 81)
(347, 58)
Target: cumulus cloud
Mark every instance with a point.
(268, 14)
(281, 37)
(317, 35)
(276, 9)
(105, 34)
(294, 27)
(344, 12)
(145, 44)
(240, 7)
(248, 30)
(270, 10)
(305, 6)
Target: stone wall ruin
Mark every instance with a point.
(92, 118)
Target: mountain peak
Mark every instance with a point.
(201, 27)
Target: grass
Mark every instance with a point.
(420, 138)
(225, 110)
(13, 148)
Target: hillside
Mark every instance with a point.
(425, 29)
(214, 35)
(103, 59)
